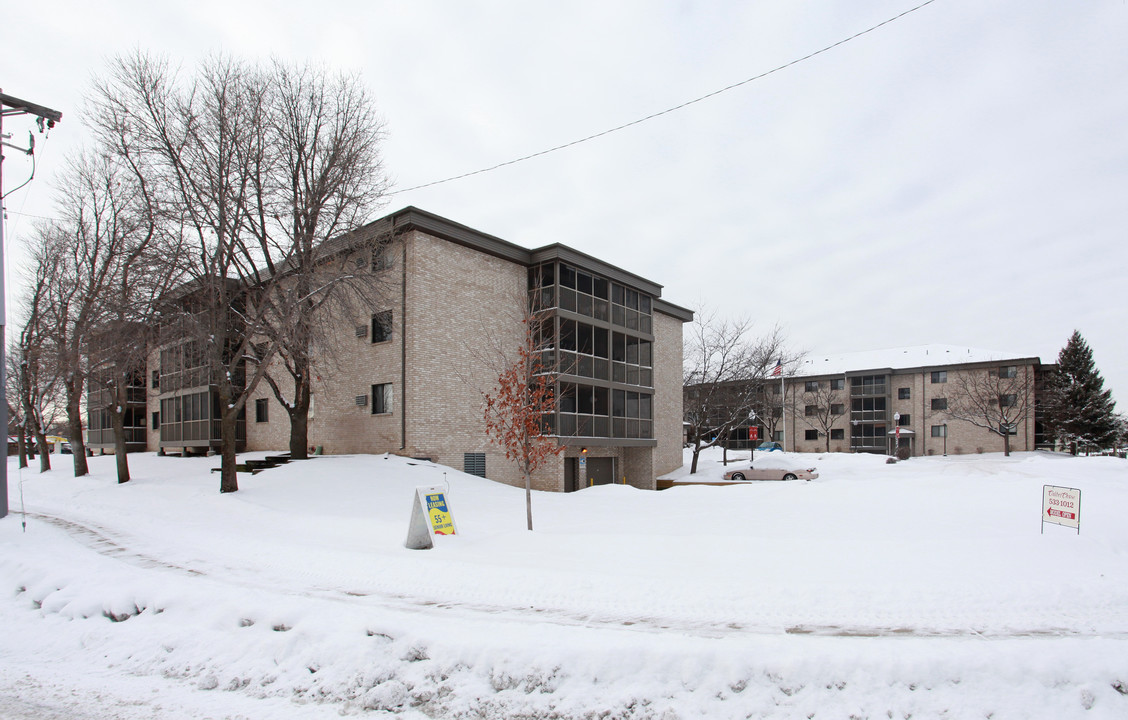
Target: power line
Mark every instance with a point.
(669, 110)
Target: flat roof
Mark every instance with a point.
(438, 226)
(905, 358)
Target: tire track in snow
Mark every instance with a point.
(100, 541)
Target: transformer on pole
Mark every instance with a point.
(46, 119)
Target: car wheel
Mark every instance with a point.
(789, 476)
(738, 476)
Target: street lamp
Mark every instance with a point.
(751, 430)
(945, 426)
(896, 432)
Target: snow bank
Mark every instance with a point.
(923, 589)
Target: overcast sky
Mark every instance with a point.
(957, 176)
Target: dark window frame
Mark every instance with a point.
(382, 399)
(382, 326)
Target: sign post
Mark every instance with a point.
(1061, 506)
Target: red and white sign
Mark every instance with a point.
(1061, 506)
(753, 433)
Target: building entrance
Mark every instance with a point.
(599, 471)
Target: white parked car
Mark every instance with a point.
(752, 473)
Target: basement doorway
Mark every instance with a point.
(599, 471)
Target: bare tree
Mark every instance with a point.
(204, 147)
(823, 407)
(32, 382)
(724, 374)
(996, 400)
(327, 177)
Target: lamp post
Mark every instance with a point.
(945, 426)
(896, 432)
(751, 431)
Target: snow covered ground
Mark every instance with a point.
(921, 589)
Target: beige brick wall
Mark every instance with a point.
(463, 324)
(463, 311)
(963, 437)
(668, 396)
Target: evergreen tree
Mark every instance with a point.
(1080, 412)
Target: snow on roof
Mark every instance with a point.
(898, 358)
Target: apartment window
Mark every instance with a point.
(837, 409)
(1008, 428)
(382, 326)
(904, 420)
(1008, 371)
(811, 410)
(156, 381)
(904, 393)
(382, 259)
(811, 435)
(1008, 400)
(777, 436)
(867, 385)
(811, 386)
(837, 434)
(939, 403)
(939, 431)
(838, 384)
(261, 410)
(939, 376)
(474, 464)
(868, 409)
(630, 309)
(157, 420)
(382, 399)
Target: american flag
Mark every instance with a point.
(778, 370)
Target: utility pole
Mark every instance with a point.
(46, 118)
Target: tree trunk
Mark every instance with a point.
(696, 454)
(74, 426)
(117, 421)
(299, 416)
(229, 481)
(1006, 444)
(21, 444)
(528, 499)
(299, 434)
(44, 456)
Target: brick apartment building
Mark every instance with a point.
(409, 377)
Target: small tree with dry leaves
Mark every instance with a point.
(515, 412)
